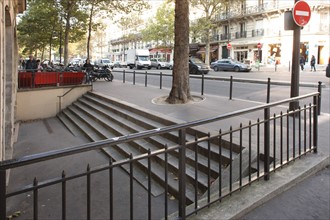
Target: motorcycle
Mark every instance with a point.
(100, 73)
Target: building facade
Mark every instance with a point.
(8, 73)
(249, 23)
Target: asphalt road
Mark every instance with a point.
(241, 90)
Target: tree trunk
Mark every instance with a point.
(180, 92)
(90, 28)
(207, 48)
(67, 33)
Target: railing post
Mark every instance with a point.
(146, 79)
(315, 123)
(266, 142)
(231, 88)
(3, 194)
(182, 174)
(268, 90)
(289, 66)
(319, 98)
(161, 80)
(202, 92)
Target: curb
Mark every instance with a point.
(241, 203)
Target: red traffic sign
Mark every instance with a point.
(259, 45)
(301, 13)
(228, 46)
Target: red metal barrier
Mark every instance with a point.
(71, 78)
(24, 80)
(45, 79)
(41, 79)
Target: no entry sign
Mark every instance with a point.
(301, 13)
(228, 46)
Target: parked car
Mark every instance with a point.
(117, 64)
(159, 63)
(197, 66)
(170, 65)
(230, 65)
(104, 62)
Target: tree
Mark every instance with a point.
(37, 27)
(160, 28)
(180, 92)
(75, 23)
(210, 8)
(110, 8)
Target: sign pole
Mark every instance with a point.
(295, 66)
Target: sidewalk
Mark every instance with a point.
(32, 137)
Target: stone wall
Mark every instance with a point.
(8, 73)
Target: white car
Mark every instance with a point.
(159, 63)
(104, 62)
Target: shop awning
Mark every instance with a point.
(161, 50)
(212, 49)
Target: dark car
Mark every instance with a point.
(196, 66)
(230, 65)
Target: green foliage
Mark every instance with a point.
(160, 29)
(37, 25)
(44, 20)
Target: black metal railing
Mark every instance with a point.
(241, 34)
(257, 32)
(133, 75)
(265, 144)
(257, 9)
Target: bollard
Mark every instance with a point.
(160, 80)
(124, 74)
(268, 90)
(289, 66)
(202, 92)
(146, 79)
(231, 88)
(134, 77)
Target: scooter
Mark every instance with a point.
(100, 73)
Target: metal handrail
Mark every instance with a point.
(180, 147)
(7, 164)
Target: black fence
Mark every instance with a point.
(264, 144)
(133, 75)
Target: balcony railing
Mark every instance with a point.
(238, 12)
(225, 36)
(240, 34)
(258, 32)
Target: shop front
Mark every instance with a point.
(274, 54)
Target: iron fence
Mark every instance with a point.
(264, 145)
(203, 78)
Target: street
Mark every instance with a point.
(241, 90)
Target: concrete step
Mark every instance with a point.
(99, 117)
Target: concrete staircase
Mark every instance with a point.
(99, 117)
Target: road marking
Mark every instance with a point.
(302, 13)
